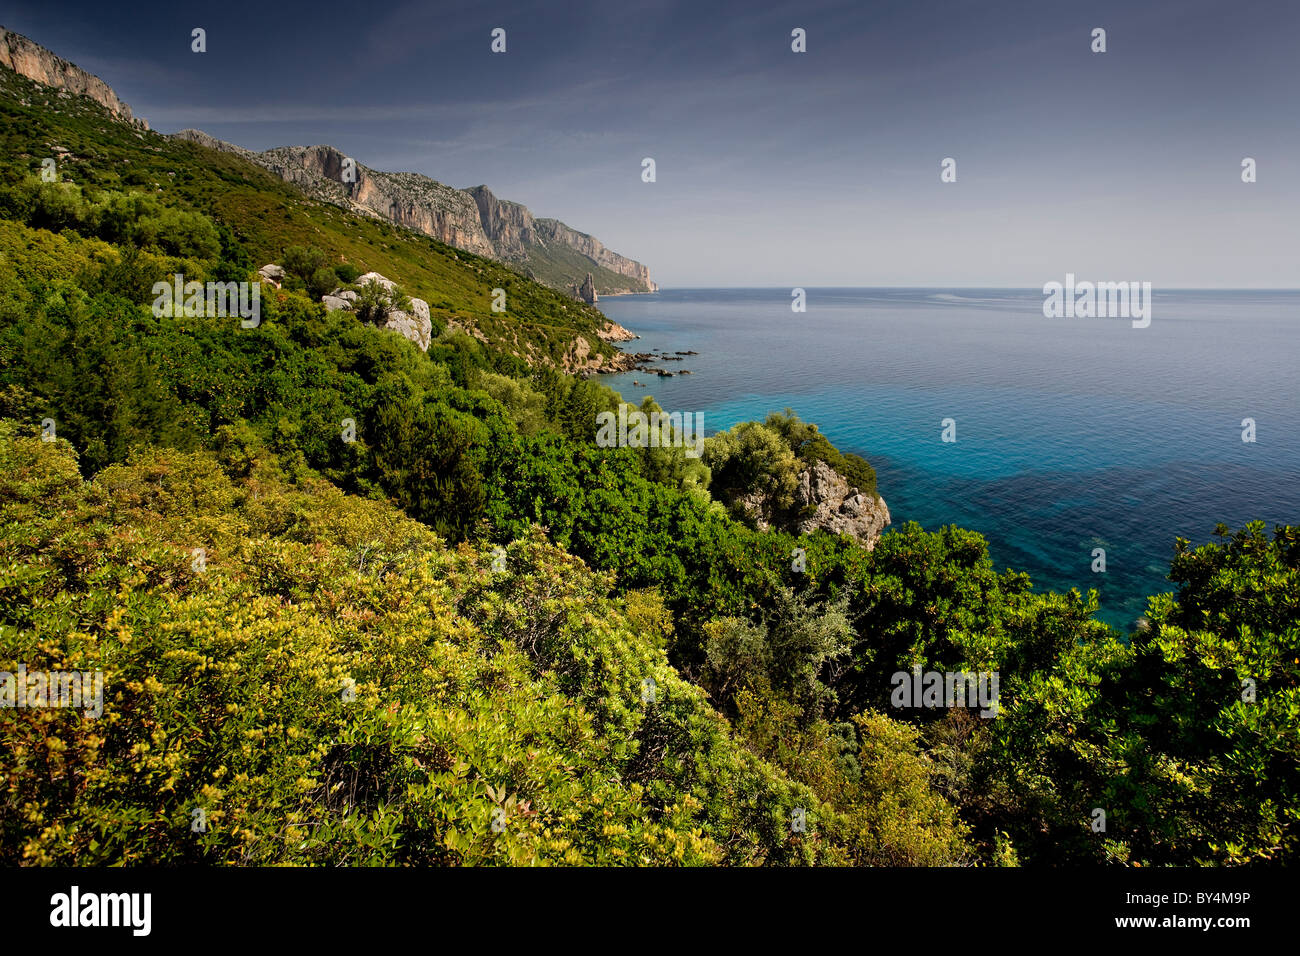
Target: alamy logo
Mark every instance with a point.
(212, 299)
(1102, 300)
(636, 429)
(103, 909)
(81, 690)
(946, 689)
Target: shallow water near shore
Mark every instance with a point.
(1072, 434)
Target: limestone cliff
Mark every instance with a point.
(509, 226)
(33, 61)
(407, 199)
(516, 235)
(471, 219)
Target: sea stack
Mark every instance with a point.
(585, 292)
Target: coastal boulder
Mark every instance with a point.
(613, 332)
(823, 501)
(838, 507)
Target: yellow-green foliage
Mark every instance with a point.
(488, 689)
(883, 807)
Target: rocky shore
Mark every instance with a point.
(638, 361)
(582, 361)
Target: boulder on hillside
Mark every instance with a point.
(273, 274)
(411, 326)
(416, 325)
(420, 309)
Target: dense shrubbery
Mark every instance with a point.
(334, 686)
(810, 446)
(129, 219)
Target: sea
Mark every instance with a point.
(1071, 434)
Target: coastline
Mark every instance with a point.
(1052, 452)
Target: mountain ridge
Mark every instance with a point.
(28, 58)
(97, 154)
(474, 219)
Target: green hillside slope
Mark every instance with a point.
(268, 215)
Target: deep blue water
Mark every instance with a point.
(1072, 433)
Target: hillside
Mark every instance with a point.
(400, 709)
(267, 215)
(33, 61)
(473, 220)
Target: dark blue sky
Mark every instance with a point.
(776, 168)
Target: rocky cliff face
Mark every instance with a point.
(579, 359)
(408, 199)
(509, 226)
(586, 292)
(517, 235)
(33, 61)
(471, 219)
(838, 507)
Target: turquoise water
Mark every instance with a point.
(1072, 434)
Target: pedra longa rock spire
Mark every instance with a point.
(586, 292)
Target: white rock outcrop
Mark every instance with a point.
(370, 277)
(840, 507)
(416, 325)
(825, 501)
(273, 274)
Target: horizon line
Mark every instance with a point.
(1017, 288)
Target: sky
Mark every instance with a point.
(775, 168)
